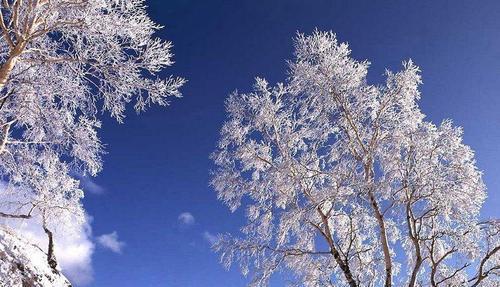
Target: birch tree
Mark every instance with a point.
(62, 63)
(345, 183)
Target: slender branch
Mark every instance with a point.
(481, 275)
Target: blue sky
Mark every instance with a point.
(158, 163)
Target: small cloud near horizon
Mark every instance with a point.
(186, 219)
(110, 241)
(88, 184)
(209, 237)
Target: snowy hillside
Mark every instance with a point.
(24, 264)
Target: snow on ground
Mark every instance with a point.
(24, 264)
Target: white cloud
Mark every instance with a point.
(75, 257)
(89, 185)
(186, 218)
(211, 238)
(73, 250)
(111, 242)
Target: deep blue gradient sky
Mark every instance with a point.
(158, 163)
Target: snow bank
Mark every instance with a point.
(24, 264)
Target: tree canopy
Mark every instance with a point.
(345, 183)
(62, 63)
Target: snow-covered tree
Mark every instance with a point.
(345, 183)
(62, 63)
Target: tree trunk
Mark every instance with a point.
(344, 265)
(415, 240)
(369, 176)
(416, 268)
(10, 63)
(5, 71)
(51, 257)
(5, 136)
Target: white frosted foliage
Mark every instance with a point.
(346, 184)
(63, 63)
